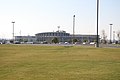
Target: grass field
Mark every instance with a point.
(28, 62)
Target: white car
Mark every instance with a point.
(66, 43)
(92, 42)
(0, 42)
(61, 43)
(84, 43)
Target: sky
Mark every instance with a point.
(36, 16)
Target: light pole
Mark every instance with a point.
(113, 36)
(58, 28)
(58, 34)
(13, 30)
(97, 45)
(73, 27)
(111, 33)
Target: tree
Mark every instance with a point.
(55, 40)
(75, 40)
(11, 41)
(70, 41)
(85, 40)
(20, 40)
(104, 37)
(25, 40)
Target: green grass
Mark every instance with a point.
(25, 62)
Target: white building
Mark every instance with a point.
(64, 37)
(61, 35)
(25, 38)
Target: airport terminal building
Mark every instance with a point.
(62, 36)
(48, 36)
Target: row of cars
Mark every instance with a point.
(44, 42)
(16, 42)
(91, 43)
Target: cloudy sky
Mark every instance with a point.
(35, 16)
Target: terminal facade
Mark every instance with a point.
(62, 36)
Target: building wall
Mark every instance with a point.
(61, 35)
(88, 38)
(64, 37)
(25, 38)
(48, 36)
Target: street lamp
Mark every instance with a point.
(114, 36)
(111, 33)
(97, 45)
(58, 34)
(58, 28)
(13, 30)
(73, 27)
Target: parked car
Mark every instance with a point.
(84, 42)
(29, 42)
(66, 43)
(17, 42)
(61, 42)
(1, 43)
(92, 42)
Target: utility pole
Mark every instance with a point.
(73, 28)
(58, 28)
(111, 33)
(20, 32)
(58, 35)
(113, 36)
(13, 31)
(97, 23)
